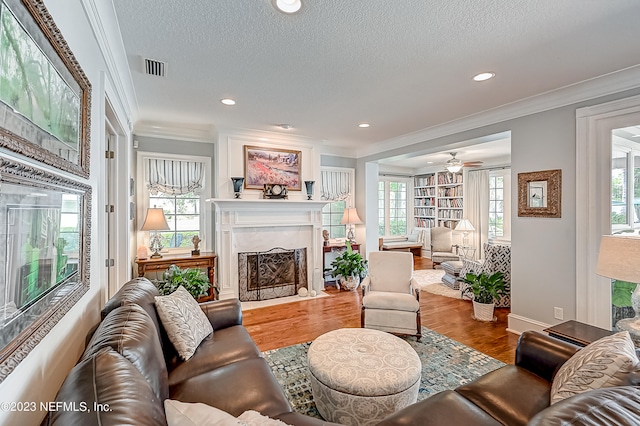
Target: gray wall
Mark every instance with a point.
(543, 250)
(333, 161)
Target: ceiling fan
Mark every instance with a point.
(454, 165)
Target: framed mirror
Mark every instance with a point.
(539, 193)
(45, 97)
(44, 255)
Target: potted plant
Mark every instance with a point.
(350, 267)
(486, 290)
(195, 281)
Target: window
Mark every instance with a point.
(625, 187)
(392, 207)
(331, 216)
(177, 184)
(500, 204)
(183, 216)
(496, 206)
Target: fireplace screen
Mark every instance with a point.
(271, 274)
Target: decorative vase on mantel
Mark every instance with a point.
(350, 282)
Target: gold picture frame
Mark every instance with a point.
(540, 194)
(272, 166)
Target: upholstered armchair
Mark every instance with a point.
(442, 247)
(497, 258)
(390, 296)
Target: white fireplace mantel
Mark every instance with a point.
(260, 225)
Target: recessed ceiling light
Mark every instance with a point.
(228, 101)
(285, 126)
(484, 76)
(363, 125)
(288, 6)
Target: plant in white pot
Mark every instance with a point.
(350, 267)
(486, 291)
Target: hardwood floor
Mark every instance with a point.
(288, 324)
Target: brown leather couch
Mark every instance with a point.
(129, 368)
(519, 394)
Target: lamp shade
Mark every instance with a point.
(465, 225)
(619, 258)
(155, 220)
(350, 217)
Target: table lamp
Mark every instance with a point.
(154, 222)
(618, 260)
(465, 226)
(350, 218)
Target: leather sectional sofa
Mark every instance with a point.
(129, 368)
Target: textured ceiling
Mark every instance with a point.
(402, 66)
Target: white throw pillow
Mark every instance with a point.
(198, 414)
(607, 362)
(184, 321)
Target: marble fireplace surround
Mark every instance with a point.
(260, 225)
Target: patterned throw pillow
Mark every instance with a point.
(607, 362)
(184, 321)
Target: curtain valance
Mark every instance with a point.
(336, 185)
(174, 177)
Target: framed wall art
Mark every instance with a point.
(44, 255)
(540, 194)
(45, 97)
(272, 166)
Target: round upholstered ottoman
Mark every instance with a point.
(360, 376)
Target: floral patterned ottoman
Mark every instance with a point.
(360, 376)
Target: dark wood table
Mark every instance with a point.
(336, 247)
(577, 333)
(203, 260)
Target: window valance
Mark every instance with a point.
(336, 185)
(174, 177)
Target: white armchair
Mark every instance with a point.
(390, 296)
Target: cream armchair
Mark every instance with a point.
(390, 296)
(442, 247)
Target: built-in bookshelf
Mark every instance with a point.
(438, 199)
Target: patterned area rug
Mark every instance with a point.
(446, 364)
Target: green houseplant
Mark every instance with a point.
(195, 281)
(350, 267)
(486, 290)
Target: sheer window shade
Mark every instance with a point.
(174, 177)
(336, 185)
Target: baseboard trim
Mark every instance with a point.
(518, 324)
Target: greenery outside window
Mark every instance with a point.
(496, 206)
(393, 208)
(183, 216)
(331, 216)
(625, 188)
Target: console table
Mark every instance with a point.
(336, 247)
(203, 260)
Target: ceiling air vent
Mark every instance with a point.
(153, 67)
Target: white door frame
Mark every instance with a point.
(593, 199)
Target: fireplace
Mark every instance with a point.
(253, 226)
(271, 274)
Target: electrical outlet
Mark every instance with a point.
(558, 313)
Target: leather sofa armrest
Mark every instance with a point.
(542, 354)
(223, 313)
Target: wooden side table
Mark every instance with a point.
(336, 247)
(577, 333)
(203, 260)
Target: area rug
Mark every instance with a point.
(446, 364)
(430, 280)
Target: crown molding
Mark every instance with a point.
(205, 133)
(618, 81)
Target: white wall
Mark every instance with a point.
(38, 377)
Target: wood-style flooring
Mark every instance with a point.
(292, 323)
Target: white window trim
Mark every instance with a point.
(506, 182)
(387, 209)
(631, 150)
(142, 199)
(350, 200)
